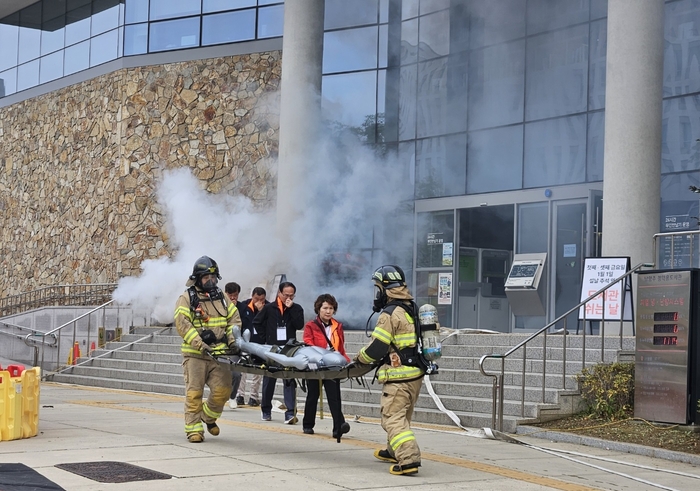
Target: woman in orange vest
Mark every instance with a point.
(325, 332)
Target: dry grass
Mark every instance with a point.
(668, 437)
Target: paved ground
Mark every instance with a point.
(80, 424)
(83, 424)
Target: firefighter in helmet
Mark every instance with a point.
(394, 346)
(204, 318)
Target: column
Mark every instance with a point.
(300, 106)
(632, 155)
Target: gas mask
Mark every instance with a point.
(380, 298)
(209, 283)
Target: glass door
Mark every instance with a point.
(569, 247)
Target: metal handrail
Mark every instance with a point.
(497, 389)
(62, 326)
(82, 294)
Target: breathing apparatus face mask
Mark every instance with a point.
(208, 282)
(380, 298)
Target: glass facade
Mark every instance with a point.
(51, 39)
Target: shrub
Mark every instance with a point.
(608, 390)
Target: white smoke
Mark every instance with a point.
(350, 193)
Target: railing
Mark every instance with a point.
(63, 295)
(498, 379)
(32, 336)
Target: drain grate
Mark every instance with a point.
(112, 472)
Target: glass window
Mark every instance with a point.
(105, 20)
(136, 39)
(596, 139)
(682, 48)
(220, 5)
(495, 161)
(77, 58)
(557, 75)
(28, 75)
(408, 85)
(383, 11)
(546, 15)
(434, 35)
(78, 23)
(533, 228)
(496, 85)
(104, 48)
(407, 157)
(352, 49)
(52, 40)
(681, 124)
(270, 21)
(268, 2)
(229, 27)
(174, 34)
(596, 70)
(51, 67)
(434, 229)
(679, 206)
(350, 99)
(442, 96)
(8, 82)
(74, 4)
(409, 42)
(167, 9)
(441, 166)
(496, 22)
(29, 43)
(9, 42)
(341, 13)
(136, 11)
(428, 6)
(409, 9)
(599, 8)
(555, 152)
(383, 46)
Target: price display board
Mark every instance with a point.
(662, 354)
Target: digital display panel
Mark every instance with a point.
(523, 270)
(665, 316)
(665, 328)
(666, 340)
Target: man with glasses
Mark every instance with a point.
(275, 324)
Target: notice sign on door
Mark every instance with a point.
(599, 272)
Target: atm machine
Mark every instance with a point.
(493, 306)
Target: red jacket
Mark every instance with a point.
(314, 331)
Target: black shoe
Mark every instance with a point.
(385, 456)
(213, 429)
(309, 431)
(404, 470)
(344, 428)
(253, 402)
(240, 401)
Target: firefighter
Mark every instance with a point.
(394, 346)
(205, 317)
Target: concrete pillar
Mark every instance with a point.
(300, 106)
(632, 158)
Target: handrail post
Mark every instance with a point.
(563, 354)
(544, 362)
(602, 330)
(583, 342)
(500, 394)
(522, 384)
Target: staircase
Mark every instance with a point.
(155, 365)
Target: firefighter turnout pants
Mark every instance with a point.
(397, 403)
(198, 373)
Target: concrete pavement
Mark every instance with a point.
(79, 424)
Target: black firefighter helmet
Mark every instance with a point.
(386, 277)
(203, 266)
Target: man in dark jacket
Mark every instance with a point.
(249, 309)
(277, 323)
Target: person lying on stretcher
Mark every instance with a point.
(299, 356)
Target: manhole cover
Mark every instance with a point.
(112, 471)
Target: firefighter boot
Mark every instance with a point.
(195, 437)
(385, 456)
(404, 470)
(213, 428)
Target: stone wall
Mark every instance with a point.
(79, 166)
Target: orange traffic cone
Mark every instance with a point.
(76, 353)
(92, 347)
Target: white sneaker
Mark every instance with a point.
(232, 403)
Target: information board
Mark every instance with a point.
(661, 361)
(597, 273)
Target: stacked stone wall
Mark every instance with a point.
(79, 166)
